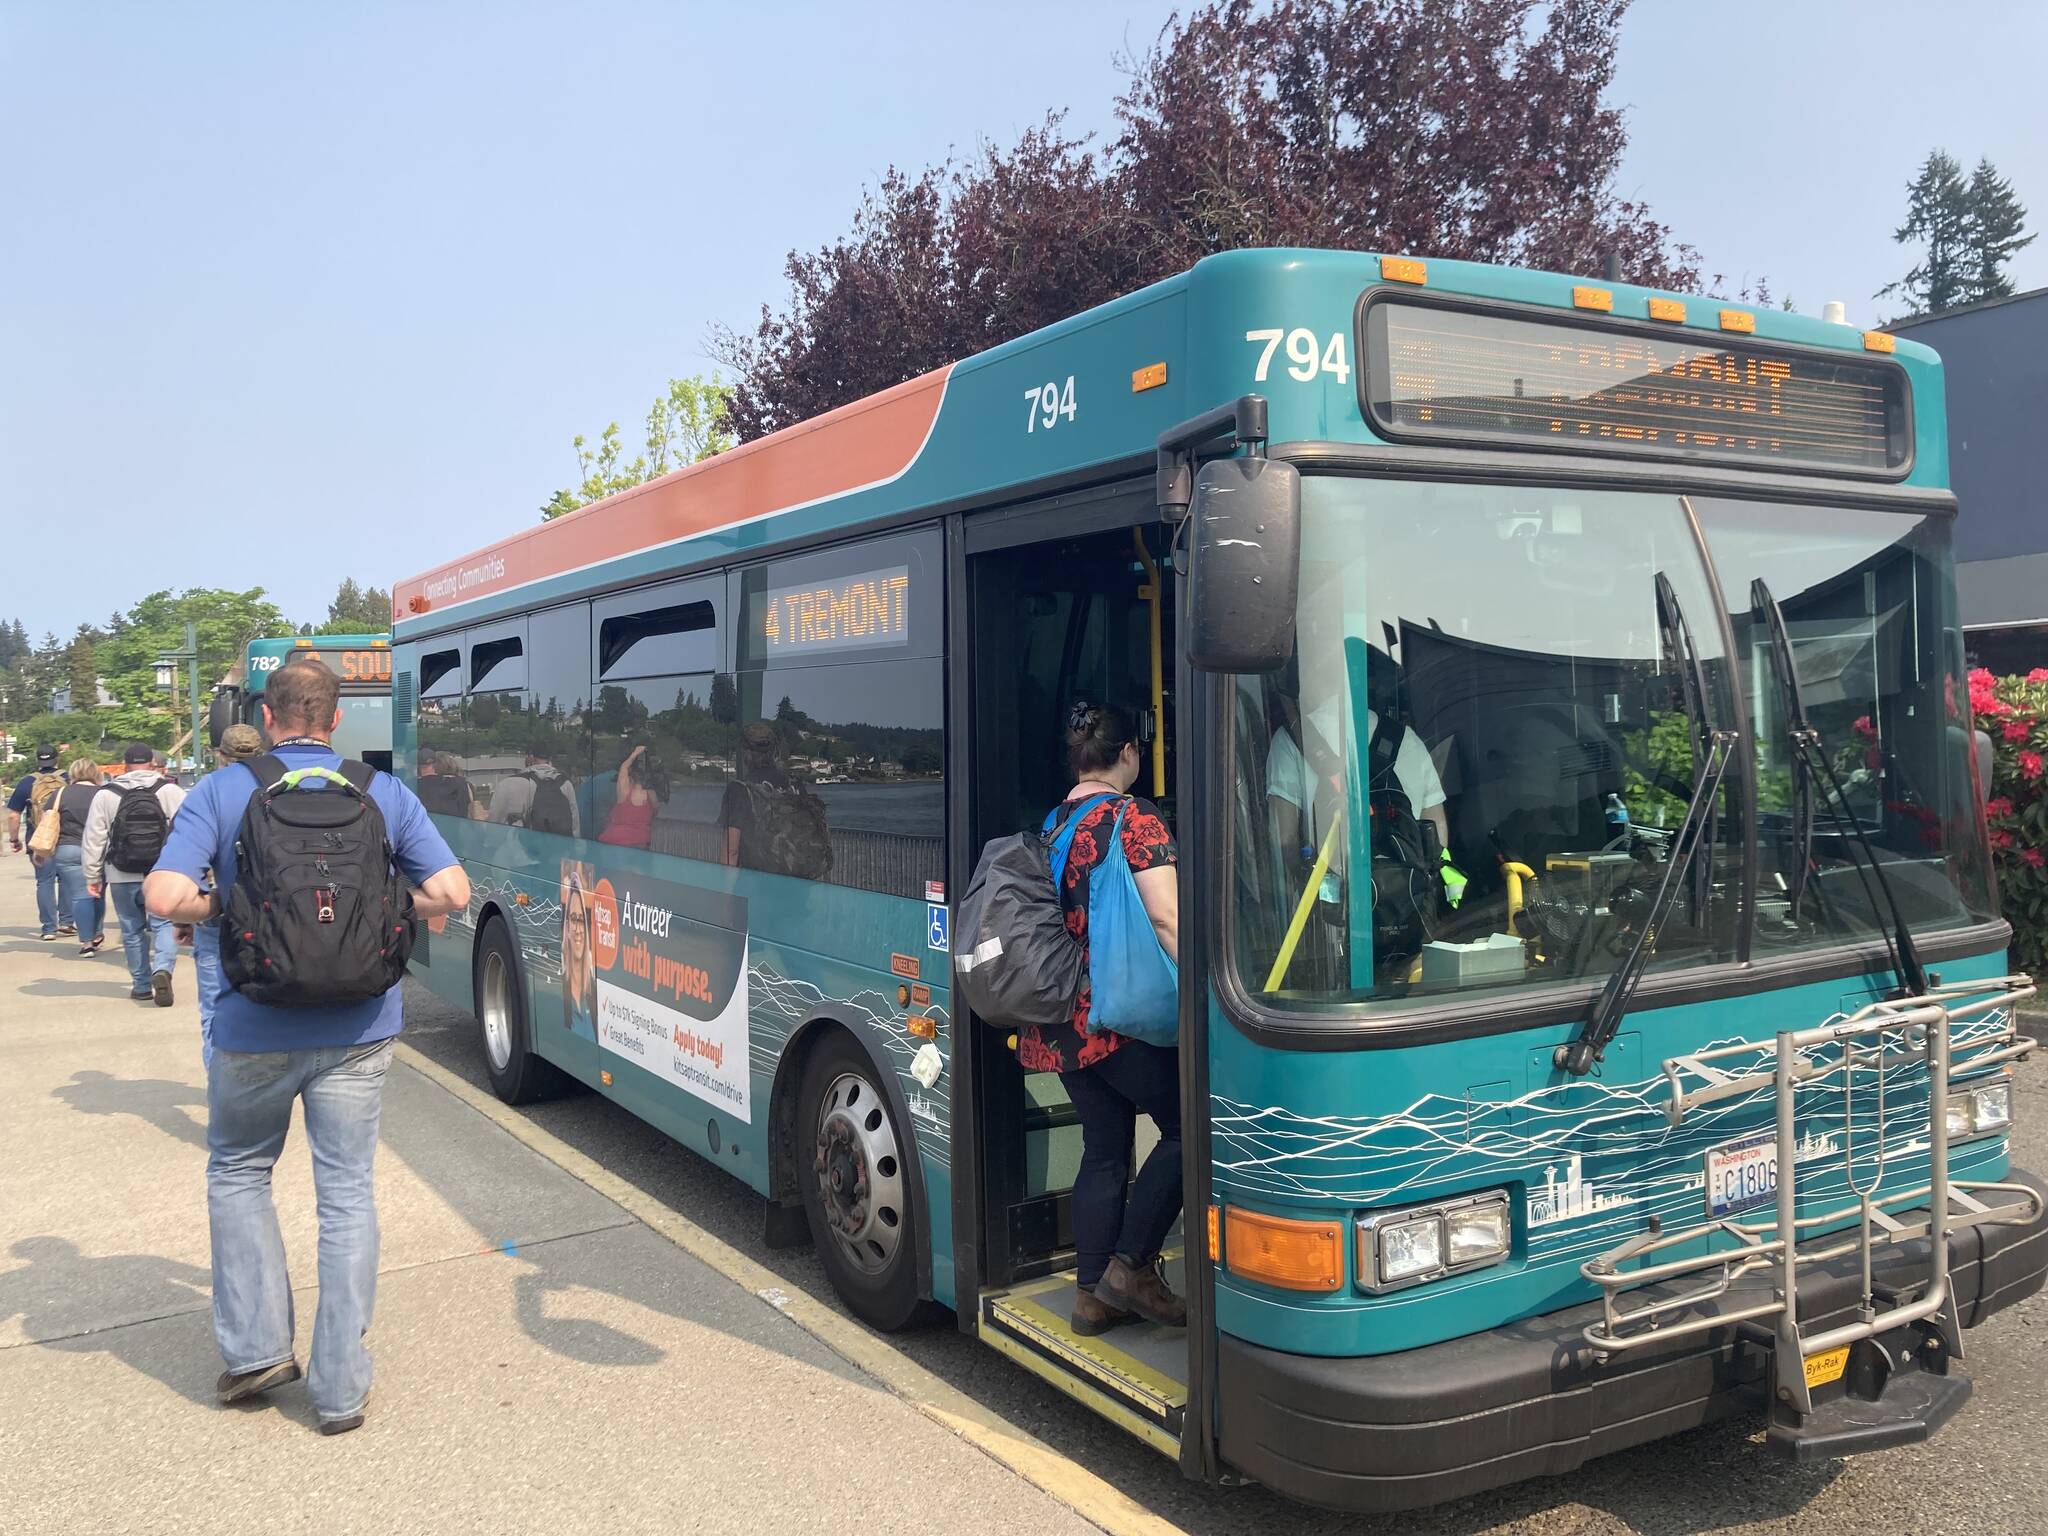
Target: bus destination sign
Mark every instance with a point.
(1477, 376)
(370, 667)
(869, 608)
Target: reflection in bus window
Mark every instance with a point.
(660, 754)
(1471, 771)
(865, 742)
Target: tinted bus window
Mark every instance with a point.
(665, 631)
(661, 754)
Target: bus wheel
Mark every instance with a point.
(517, 1075)
(856, 1190)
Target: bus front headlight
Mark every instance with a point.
(1406, 1247)
(1980, 1110)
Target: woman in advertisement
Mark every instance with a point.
(579, 970)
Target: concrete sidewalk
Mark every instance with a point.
(545, 1361)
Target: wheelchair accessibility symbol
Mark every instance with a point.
(939, 928)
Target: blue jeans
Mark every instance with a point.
(150, 942)
(83, 910)
(46, 894)
(1109, 1096)
(249, 1110)
(206, 970)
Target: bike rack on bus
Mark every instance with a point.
(1873, 1043)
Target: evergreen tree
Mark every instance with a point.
(1997, 220)
(1937, 216)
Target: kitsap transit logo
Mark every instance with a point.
(454, 583)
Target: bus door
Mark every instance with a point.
(1086, 615)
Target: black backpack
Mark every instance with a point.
(789, 834)
(136, 839)
(318, 913)
(1014, 961)
(552, 810)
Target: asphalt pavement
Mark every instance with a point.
(550, 1358)
(546, 1361)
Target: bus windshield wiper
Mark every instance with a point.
(1810, 759)
(1792, 701)
(1712, 750)
(1678, 643)
(1611, 1005)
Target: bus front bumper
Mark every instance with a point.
(1532, 1399)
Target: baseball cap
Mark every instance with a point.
(46, 757)
(239, 743)
(139, 752)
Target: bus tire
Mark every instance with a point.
(517, 1075)
(851, 1169)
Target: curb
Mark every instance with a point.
(1091, 1497)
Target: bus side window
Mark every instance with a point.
(661, 721)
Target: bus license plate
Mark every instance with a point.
(1742, 1175)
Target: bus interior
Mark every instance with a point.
(1083, 617)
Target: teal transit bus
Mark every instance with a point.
(362, 662)
(1595, 1016)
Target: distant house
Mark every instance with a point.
(1995, 357)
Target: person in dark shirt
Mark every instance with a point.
(21, 818)
(1110, 1078)
(78, 901)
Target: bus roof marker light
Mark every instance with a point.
(1584, 297)
(1672, 310)
(1404, 269)
(1880, 341)
(1151, 376)
(1739, 320)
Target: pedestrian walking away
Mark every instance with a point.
(77, 901)
(123, 835)
(32, 798)
(273, 1044)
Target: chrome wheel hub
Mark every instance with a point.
(860, 1173)
(494, 1009)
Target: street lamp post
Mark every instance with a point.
(167, 677)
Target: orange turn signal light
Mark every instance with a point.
(1879, 341)
(1279, 1251)
(1738, 320)
(1668, 309)
(1151, 376)
(1404, 269)
(1215, 1233)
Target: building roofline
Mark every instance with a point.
(1965, 309)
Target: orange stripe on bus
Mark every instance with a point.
(857, 445)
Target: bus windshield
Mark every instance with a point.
(1472, 771)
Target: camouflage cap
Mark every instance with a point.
(239, 743)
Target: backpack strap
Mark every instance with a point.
(1059, 842)
(269, 770)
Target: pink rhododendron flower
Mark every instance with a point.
(2030, 764)
(2015, 730)
(1864, 728)
(2038, 675)
(1998, 806)
(2032, 856)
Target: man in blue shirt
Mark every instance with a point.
(333, 1058)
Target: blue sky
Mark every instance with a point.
(289, 293)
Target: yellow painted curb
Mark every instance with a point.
(1089, 1496)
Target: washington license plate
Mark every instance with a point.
(1742, 1175)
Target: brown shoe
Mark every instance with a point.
(1143, 1291)
(1092, 1315)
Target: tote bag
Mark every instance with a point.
(1134, 983)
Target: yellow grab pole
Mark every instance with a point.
(1303, 907)
(1150, 592)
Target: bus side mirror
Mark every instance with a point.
(223, 712)
(1244, 564)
